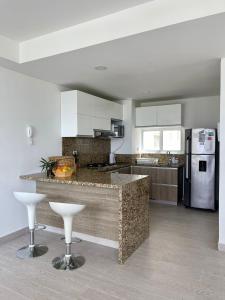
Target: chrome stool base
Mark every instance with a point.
(31, 252)
(68, 262)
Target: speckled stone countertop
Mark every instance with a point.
(166, 166)
(87, 177)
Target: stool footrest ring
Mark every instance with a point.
(74, 240)
(39, 227)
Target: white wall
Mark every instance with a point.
(196, 112)
(24, 100)
(221, 244)
(127, 144)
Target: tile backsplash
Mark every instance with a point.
(90, 150)
(97, 150)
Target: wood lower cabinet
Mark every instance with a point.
(166, 184)
(164, 175)
(165, 193)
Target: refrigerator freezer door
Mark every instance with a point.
(203, 181)
(203, 141)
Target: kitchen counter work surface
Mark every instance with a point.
(87, 177)
(166, 166)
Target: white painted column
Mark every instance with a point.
(221, 244)
(127, 144)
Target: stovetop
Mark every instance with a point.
(105, 167)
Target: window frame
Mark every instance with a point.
(161, 129)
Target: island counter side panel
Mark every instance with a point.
(134, 217)
(99, 218)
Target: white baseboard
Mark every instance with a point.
(86, 237)
(221, 247)
(13, 235)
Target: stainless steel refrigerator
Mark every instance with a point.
(200, 184)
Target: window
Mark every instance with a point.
(171, 140)
(151, 140)
(162, 139)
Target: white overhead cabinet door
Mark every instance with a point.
(85, 103)
(165, 115)
(169, 115)
(146, 116)
(84, 125)
(68, 114)
(100, 108)
(101, 123)
(116, 111)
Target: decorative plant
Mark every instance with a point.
(48, 166)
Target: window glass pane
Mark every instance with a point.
(151, 140)
(171, 140)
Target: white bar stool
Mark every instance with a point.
(30, 200)
(67, 211)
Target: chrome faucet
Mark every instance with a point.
(169, 158)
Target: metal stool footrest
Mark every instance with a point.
(74, 240)
(39, 226)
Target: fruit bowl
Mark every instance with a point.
(63, 172)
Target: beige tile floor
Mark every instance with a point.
(179, 261)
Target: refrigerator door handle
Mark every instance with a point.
(187, 146)
(187, 167)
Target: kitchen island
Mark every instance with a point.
(117, 207)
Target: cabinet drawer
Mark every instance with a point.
(141, 170)
(164, 176)
(164, 193)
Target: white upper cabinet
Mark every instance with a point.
(146, 116)
(81, 113)
(68, 114)
(84, 126)
(100, 108)
(101, 123)
(164, 115)
(116, 110)
(85, 103)
(169, 115)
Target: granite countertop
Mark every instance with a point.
(179, 165)
(87, 177)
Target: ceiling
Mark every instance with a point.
(32, 18)
(174, 62)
